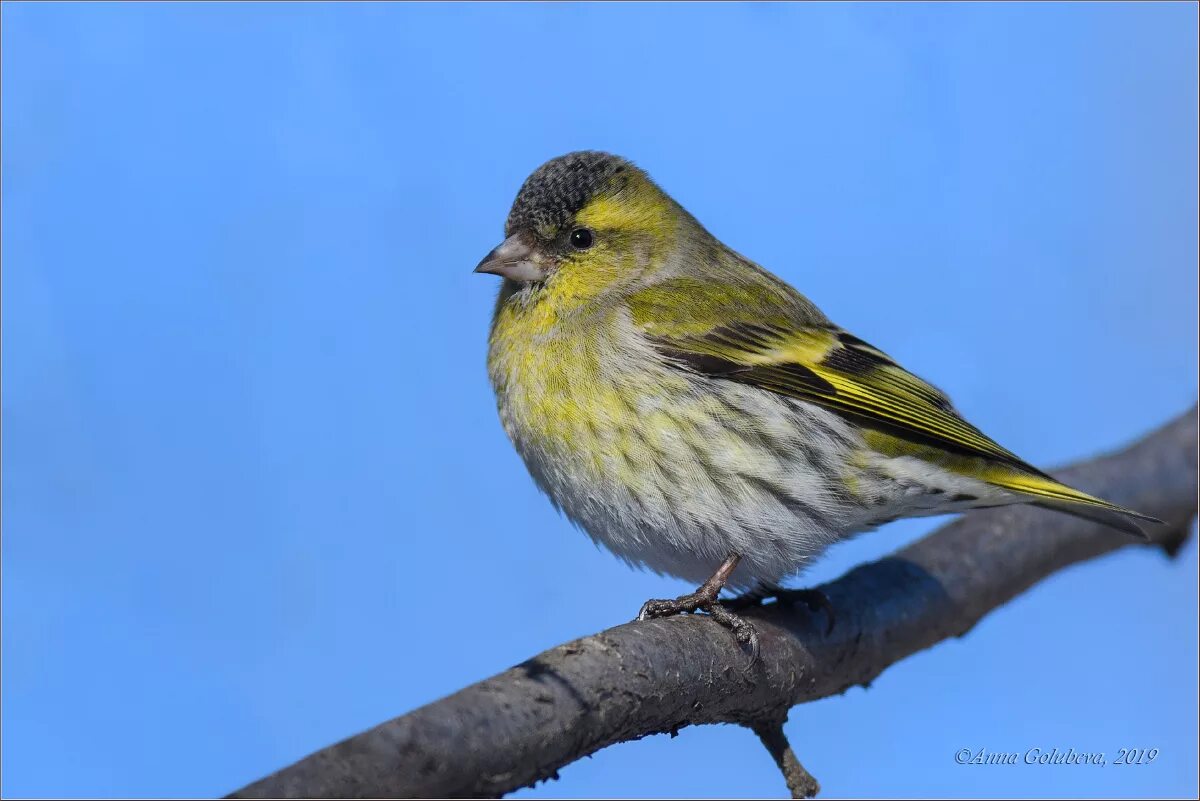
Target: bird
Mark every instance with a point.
(696, 415)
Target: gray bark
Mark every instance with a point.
(659, 676)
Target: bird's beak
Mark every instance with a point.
(515, 259)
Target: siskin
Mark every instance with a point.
(699, 417)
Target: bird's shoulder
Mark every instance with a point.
(740, 291)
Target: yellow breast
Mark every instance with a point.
(575, 388)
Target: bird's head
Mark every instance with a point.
(585, 223)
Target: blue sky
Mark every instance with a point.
(248, 436)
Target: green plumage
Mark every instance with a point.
(773, 338)
(684, 406)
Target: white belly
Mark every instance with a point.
(753, 474)
(673, 472)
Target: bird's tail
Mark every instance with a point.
(1042, 490)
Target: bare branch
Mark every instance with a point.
(799, 781)
(661, 675)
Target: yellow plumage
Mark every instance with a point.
(689, 409)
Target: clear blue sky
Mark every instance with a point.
(248, 434)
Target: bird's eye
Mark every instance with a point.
(581, 239)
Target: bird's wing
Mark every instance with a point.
(759, 342)
(777, 342)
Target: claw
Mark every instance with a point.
(704, 599)
(648, 610)
(747, 635)
(743, 631)
(665, 607)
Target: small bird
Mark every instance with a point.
(698, 416)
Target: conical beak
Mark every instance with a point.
(513, 259)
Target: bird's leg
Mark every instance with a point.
(704, 599)
(705, 594)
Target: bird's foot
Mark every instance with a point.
(701, 601)
(704, 599)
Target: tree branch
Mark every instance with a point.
(799, 781)
(661, 675)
